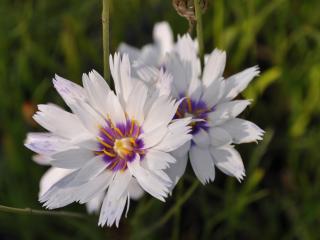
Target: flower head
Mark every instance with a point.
(113, 145)
(207, 97)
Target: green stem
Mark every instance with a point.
(171, 211)
(39, 212)
(106, 38)
(199, 31)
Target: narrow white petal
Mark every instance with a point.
(72, 158)
(89, 170)
(97, 90)
(176, 136)
(94, 205)
(213, 93)
(88, 116)
(160, 114)
(45, 143)
(67, 125)
(163, 37)
(148, 181)
(214, 67)
(226, 111)
(136, 101)
(135, 191)
(68, 90)
(119, 184)
(157, 160)
(229, 161)
(238, 82)
(202, 164)
(133, 53)
(50, 177)
(176, 170)
(153, 137)
(112, 210)
(201, 139)
(115, 109)
(95, 187)
(219, 136)
(243, 131)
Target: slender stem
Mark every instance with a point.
(106, 38)
(199, 31)
(171, 211)
(39, 212)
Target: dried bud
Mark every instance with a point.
(185, 8)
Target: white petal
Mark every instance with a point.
(136, 101)
(111, 210)
(121, 73)
(180, 71)
(157, 160)
(202, 164)
(119, 184)
(176, 136)
(68, 90)
(227, 110)
(153, 137)
(72, 158)
(163, 37)
(243, 131)
(214, 67)
(89, 170)
(219, 136)
(132, 52)
(160, 114)
(97, 90)
(182, 151)
(50, 177)
(60, 122)
(45, 143)
(95, 187)
(115, 109)
(176, 170)
(94, 205)
(213, 93)
(88, 116)
(148, 181)
(229, 161)
(238, 82)
(41, 159)
(135, 191)
(201, 139)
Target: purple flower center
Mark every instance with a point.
(119, 144)
(198, 110)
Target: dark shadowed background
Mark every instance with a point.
(279, 198)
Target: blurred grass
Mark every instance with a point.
(279, 198)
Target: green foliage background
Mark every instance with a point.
(279, 198)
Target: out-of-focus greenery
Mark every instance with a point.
(279, 198)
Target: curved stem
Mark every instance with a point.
(39, 212)
(199, 31)
(106, 38)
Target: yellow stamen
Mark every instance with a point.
(118, 131)
(108, 153)
(189, 104)
(106, 133)
(104, 143)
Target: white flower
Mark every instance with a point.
(153, 54)
(209, 101)
(115, 145)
